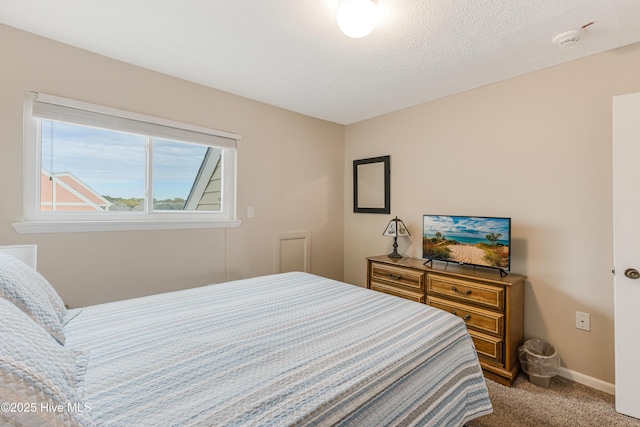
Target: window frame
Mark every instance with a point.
(37, 221)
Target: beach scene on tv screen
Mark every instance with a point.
(468, 240)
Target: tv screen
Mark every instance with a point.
(474, 240)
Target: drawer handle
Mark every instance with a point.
(467, 293)
(398, 277)
(467, 317)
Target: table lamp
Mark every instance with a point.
(395, 229)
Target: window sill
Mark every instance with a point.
(36, 227)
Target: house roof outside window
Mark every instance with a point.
(63, 191)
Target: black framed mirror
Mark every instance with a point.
(372, 185)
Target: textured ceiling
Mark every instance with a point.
(291, 54)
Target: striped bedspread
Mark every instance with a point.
(281, 350)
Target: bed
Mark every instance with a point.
(279, 350)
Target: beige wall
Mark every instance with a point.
(536, 148)
(290, 168)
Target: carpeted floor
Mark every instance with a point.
(565, 403)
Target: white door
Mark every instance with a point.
(626, 251)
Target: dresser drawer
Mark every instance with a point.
(475, 318)
(487, 346)
(397, 291)
(412, 279)
(490, 296)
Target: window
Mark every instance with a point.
(89, 167)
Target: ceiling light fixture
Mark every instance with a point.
(357, 18)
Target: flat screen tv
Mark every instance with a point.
(474, 240)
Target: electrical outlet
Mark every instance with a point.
(583, 321)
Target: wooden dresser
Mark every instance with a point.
(491, 306)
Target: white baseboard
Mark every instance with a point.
(587, 380)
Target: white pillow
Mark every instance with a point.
(37, 375)
(33, 294)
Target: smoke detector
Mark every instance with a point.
(568, 38)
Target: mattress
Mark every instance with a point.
(280, 350)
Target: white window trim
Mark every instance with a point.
(36, 227)
(56, 222)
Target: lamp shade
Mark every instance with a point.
(357, 18)
(396, 228)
